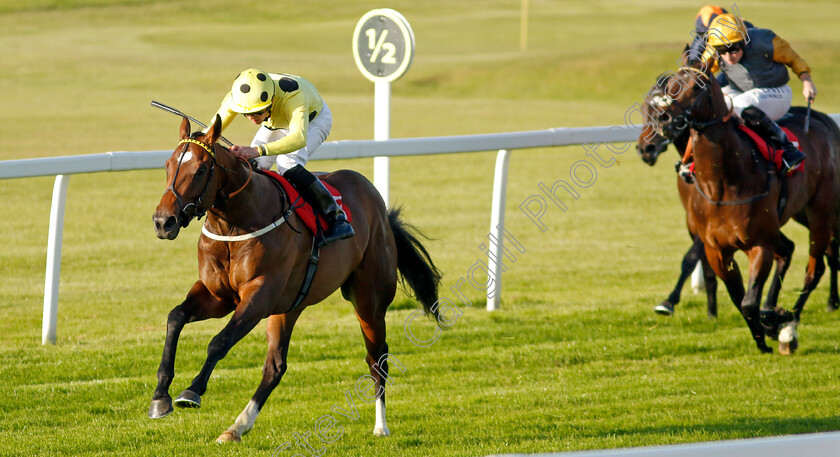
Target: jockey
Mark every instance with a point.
(702, 21)
(754, 61)
(701, 24)
(295, 121)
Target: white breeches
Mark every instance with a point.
(774, 101)
(316, 134)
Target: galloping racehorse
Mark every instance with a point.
(651, 143)
(252, 262)
(737, 194)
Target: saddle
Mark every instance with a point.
(764, 147)
(303, 209)
(768, 151)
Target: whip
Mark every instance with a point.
(224, 140)
(808, 116)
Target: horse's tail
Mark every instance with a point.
(414, 263)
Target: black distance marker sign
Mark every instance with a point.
(383, 45)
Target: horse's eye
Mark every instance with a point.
(201, 170)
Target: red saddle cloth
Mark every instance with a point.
(773, 155)
(303, 209)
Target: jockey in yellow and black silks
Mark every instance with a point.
(294, 121)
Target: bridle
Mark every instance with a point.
(194, 208)
(685, 120)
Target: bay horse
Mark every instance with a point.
(653, 141)
(734, 206)
(252, 261)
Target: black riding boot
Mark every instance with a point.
(313, 191)
(766, 127)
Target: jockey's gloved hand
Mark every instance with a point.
(684, 171)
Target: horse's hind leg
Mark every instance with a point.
(819, 241)
(833, 259)
(371, 292)
(278, 333)
(198, 305)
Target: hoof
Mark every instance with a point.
(665, 308)
(380, 431)
(228, 437)
(832, 306)
(160, 408)
(788, 340)
(188, 399)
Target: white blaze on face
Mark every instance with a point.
(186, 157)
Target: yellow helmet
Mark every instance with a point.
(725, 29)
(252, 91)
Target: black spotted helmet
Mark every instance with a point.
(252, 91)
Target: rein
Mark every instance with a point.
(745, 201)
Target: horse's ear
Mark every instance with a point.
(185, 128)
(214, 131)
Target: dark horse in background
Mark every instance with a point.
(735, 205)
(256, 271)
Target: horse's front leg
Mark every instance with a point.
(689, 263)
(198, 305)
(727, 270)
(278, 332)
(710, 280)
(250, 311)
(783, 255)
(761, 262)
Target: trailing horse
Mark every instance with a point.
(253, 262)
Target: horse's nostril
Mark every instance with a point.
(170, 223)
(650, 148)
(664, 117)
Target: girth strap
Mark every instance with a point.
(311, 268)
(783, 195)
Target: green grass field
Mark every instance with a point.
(575, 359)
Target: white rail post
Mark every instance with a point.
(49, 324)
(497, 224)
(382, 131)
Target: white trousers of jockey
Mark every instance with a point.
(317, 132)
(774, 101)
